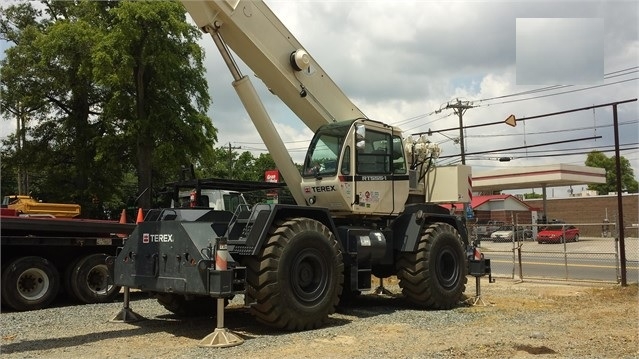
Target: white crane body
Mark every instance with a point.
(366, 200)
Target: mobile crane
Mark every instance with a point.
(366, 201)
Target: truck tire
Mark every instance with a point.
(434, 276)
(90, 281)
(30, 283)
(66, 280)
(296, 280)
(195, 307)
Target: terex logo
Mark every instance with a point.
(147, 238)
(323, 188)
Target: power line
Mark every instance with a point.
(554, 131)
(261, 143)
(609, 75)
(561, 93)
(528, 146)
(592, 148)
(563, 154)
(427, 123)
(530, 117)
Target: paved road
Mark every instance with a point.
(589, 259)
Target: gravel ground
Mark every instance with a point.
(519, 320)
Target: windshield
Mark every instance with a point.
(323, 153)
(232, 201)
(505, 228)
(553, 228)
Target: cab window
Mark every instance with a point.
(375, 156)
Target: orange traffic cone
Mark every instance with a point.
(122, 221)
(140, 216)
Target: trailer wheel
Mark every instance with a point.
(30, 283)
(66, 280)
(195, 307)
(435, 275)
(90, 280)
(296, 280)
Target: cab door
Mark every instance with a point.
(380, 179)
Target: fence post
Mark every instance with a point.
(564, 240)
(521, 268)
(617, 256)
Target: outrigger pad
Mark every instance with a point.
(127, 315)
(221, 338)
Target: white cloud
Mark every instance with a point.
(400, 62)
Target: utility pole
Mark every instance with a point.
(460, 108)
(231, 148)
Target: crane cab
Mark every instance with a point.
(356, 166)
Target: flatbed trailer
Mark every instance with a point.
(44, 257)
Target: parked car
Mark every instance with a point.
(506, 233)
(558, 234)
(485, 228)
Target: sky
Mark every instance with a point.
(402, 62)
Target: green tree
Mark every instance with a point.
(264, 162)
(152, 66)
(18, 25)
(532, 195)
(48, 87)
(218, 164)
(102, 91)
(628, 180)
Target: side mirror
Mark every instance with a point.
(360, 133)
(360, 137)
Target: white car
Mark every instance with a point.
(505, 234)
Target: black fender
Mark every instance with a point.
(264, 215)
(408, 227)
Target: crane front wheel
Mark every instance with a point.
(296, 280)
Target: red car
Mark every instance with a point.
(558, 234)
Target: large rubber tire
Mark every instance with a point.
(90, 281)
(193, 307)
(296, 280)
(30, 283)
(434, 276)
(66, 280)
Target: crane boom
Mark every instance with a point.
(259, 38)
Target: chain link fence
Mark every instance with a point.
(560, 251)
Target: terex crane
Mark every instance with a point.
(366, 201)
